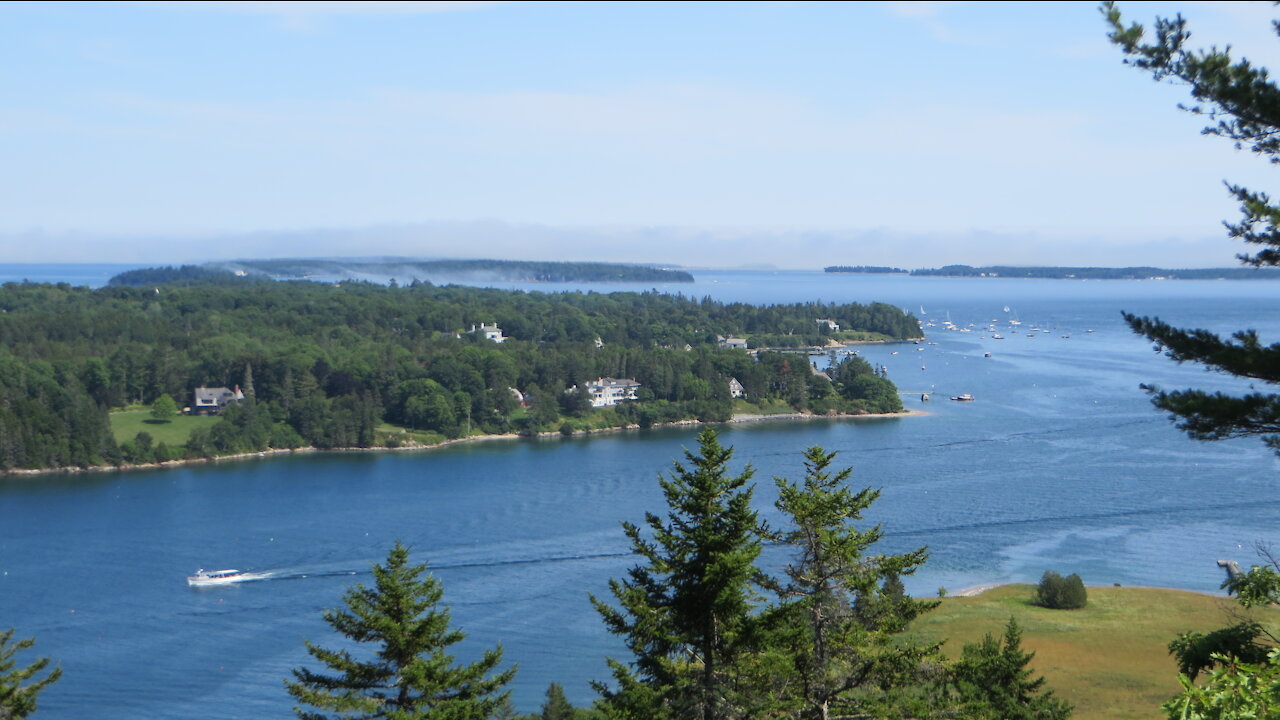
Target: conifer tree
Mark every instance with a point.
(410, 676)
(18, 691)
(685, 614)
(1242, 104)
(992, 680)
(557, 706)
(246, 386)
(845, 607)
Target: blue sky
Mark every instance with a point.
(786, 134)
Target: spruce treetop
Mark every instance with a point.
(411, 676)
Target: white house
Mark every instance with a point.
(491, 332)
(209, 401)
(519, 397)
(606, 392)
(734, 342)
(735, 388)
(832, 325)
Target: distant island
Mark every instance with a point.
(1075, 273)
(876, 269)
(404, 270)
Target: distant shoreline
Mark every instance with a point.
(263, 454)
(1048, 272)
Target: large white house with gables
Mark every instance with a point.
(210, 401)
(606, 392)
(491, 331)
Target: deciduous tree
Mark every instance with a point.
(164, 408)
(1060, 593)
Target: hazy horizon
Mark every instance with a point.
(724, 135)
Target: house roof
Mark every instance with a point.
(613, 383)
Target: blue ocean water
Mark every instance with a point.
(1061, 463)
(87, 274)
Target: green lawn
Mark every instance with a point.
(128, 423)
(1110, 659)
(764, 407)
(407, 436)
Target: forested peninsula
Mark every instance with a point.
(405, 270)
(108, 377)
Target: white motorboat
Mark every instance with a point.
(220, 577)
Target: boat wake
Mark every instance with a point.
(210, 578)
(309, 573)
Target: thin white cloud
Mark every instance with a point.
(919, 9)
(308, 15)
(314, 8)
(676, 155)
(929, 15)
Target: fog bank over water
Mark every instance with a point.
(720, 247)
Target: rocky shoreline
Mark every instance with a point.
(736, 419)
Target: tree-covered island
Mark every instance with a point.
(285, 365)
(406, 270)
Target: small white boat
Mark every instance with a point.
(962, 398)
(220, 577)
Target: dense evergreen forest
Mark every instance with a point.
(405, 269)
(360, 365)
(1078, 273)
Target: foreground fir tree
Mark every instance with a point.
(685, 613)
(18, 686)
(992, 680)
(411, 676)
(843, 610)
(1242, 103)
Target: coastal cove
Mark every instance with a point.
(1059, 463)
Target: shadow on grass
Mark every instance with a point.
(153, 421)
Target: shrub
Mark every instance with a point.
(1059, 593)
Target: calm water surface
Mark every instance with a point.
(1060, 464)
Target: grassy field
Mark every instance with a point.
(764, 407)
(407, 436)
(1110, 659)
(128, 423)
